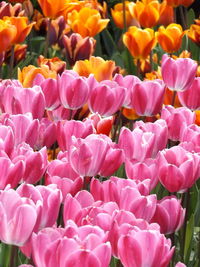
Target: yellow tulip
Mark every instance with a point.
(194, 33)
(139, 42)
(28, 74)
(117, 15)
(146, 12)
(22, 26)
(52, 8)
(7, 35)
(102, 69)
(87, 22)
(170, 38)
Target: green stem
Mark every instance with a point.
(116, 125)
(186, 203)
(13, 256)
(183, 18)
(12, 57)
(47, 38)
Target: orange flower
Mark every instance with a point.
(139, 42)
(166, 14)
(117, 15)
(130, 114)
(176, 3)
(27, 74)
(23, 29)
(146, 12)
(87, 22)
(19, 54)
(7, 35)
(52, 8)
(170, 38)
(194, 33)
(54, 64)
(102, 69)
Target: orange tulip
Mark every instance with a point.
(102, 69)
(166, 14)
(130, 114)
(19, 54)
(54, 64)
(139, 42)
(176, 3)
(146, 12)
(170, 38)
(52, 8)
(194, 33)
(23, 29)
(87, 22)
(117, 15)
(7, 35)
(27, 74)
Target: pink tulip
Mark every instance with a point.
(67, 129)
(35, 162)
(180, 264)
(18, 218)
(47, 199)
(50, 90)
(136, 144)
(140, 171)
(128, 83)
(106, 98)
(86, 156)
(169, 215)
(179, 74)
(46, 134)
(74, 246)
(159, 128)
(177, 119)
(25, 129)
(147, 97)
(60, 172)
(110, 190)
(11, 172)
(74, 90)
(122, 223)
(60, 113)
(17, 100)
(191, 97)
(178, 169)
(150, 249)
(6, 139)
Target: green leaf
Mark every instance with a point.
(108, 42)
(188, 239)
(190, 16)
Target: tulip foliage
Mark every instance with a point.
(99, 133)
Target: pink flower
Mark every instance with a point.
(18, 218)
(140, 171)
(106, 98)
(177, 120)
(73, 89)
(178, 169)
(50, 90)
(169, 215)
(147, 97)
(74, 245)
(191, 97)
(86, 156)
(67, 129)
(128, 83)
(137, 144)
(47, 199)
(179, 74)
(150, 249)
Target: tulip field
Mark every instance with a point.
(100, 133)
